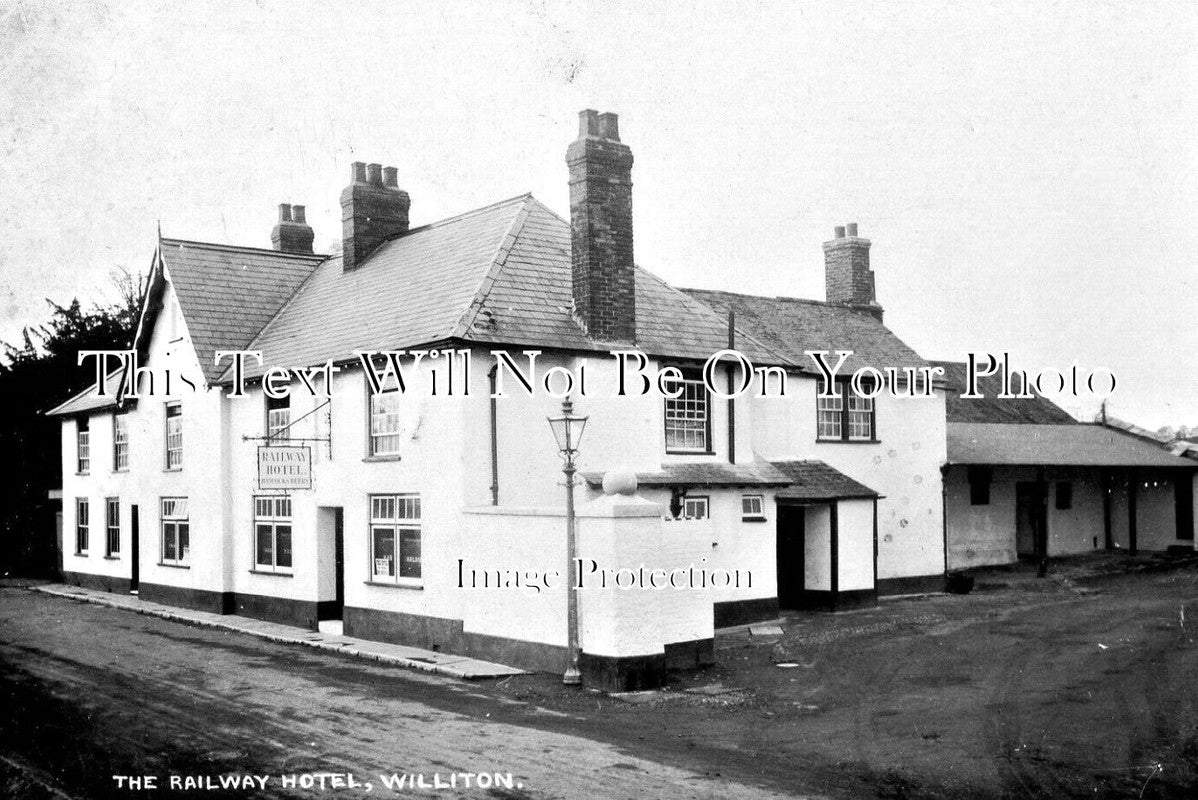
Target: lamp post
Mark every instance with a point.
(567, 430)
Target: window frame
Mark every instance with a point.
(175, 406)
(83, 446)
(178, 524)
(845, 397)
(705, 500)
(82, 525)
(120, 443)
(274, 405)
(112, 527)
(274, 520)
(690, 377)
(405, 517)
(372, 451)
(752, 516)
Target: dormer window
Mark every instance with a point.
(688, 416)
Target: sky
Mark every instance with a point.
(1027, 173)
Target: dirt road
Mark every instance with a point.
(1057, 692)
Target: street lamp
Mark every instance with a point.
(567, 430)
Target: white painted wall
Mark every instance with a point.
(903, 466)
(855, 544)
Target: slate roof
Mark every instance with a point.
(499, 275)
(797, 480)
(711, 474)
(792, 326)
(88, 400)
(990, 408)
(816, 481)
(228, 293)
(1053, 445)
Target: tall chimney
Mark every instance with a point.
(373, 209)
(603, 276)
(292, 234)
(848, 280)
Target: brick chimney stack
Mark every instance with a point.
(373, 209)
(292, 234)
(604, 279)
(848, 280)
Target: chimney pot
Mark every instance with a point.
(839, 231)
(291, 234)
(852, 229)
(609, 126)
(373, 210)
(588, 123)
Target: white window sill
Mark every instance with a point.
(174, 565)
(383, 457)
(278, 573)
(402, 584)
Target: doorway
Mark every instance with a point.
(331, 563)
(791, 557)
(134, 548)
(1031, 519)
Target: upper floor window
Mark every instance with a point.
(845, 416)
(120, 442)
(384, 422)
(112, 526)
(278, 418)
(82, 521)
(83, 447)
(395, 537)
(272, 533)
(176, 531)
(688, 416)
(174, 435)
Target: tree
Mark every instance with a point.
(36, 374)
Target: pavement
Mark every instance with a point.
(330, 638)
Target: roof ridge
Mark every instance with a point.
(470, 314)
(241, 248)
(455, 218)
(782, 357)
(783, 298)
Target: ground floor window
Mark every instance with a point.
(112, 526)
(176, 531)
(395, 537)
(694, 508)
(272, 533)
(752, 507)
(82, 518)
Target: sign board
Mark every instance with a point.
(287, 467)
